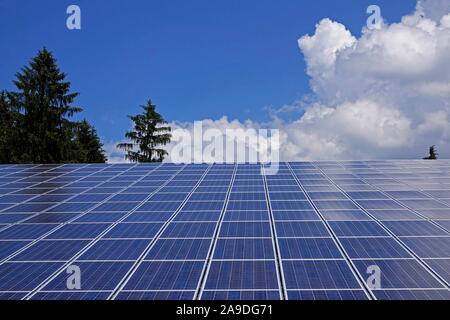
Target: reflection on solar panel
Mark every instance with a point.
(162, 231)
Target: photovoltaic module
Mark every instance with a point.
(314, 230)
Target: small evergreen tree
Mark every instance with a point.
(150, 132)
(88, 148)
(433, 154)
(46, 102)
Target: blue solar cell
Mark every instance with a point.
(396, 274)
(14, 198)
(79, 231)
(435, 214)
(169, 197)
(444, 224)
(13, 296)
(101, 276)
(320, 274)
(291, 205)
(246, 216)
(205, 216)
(133, 231)
(253, 196)
(156, 295)
(72, 207)
(245, 229)
(357, 229)
(406, 195)
(208, 197)
(345, 215)
(9, 247)
(274, 189)
(441, 266)
(367, 195)
(241, 295)
(52, 217)
(188, 249)
(414, 228)
(335, 205)
(51, 251)
(327, 196)
(26, 231)
(375, 248)
(424, 204)
(379, 204)
(247, 205)
(160, 206)
(438, 194)
(394, 215)
(149, 217)
(163, 275)
(189, 230)
(50, 198)
(13, 218)
(433, 247)
(331, 295)
(250, 249)
(412, 295)
(72, 296)
(321, 248)
(295, 215)
(100, 217)
(287, 196)
(115, 250)
(203, 206)
(301, 229)
(116, 207)
(25, 276)
(29, 207)
(236, 275)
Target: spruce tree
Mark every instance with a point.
(46, 103)
(433, 154)
(87, 145)
(149, 134)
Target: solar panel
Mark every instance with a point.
(313, 231)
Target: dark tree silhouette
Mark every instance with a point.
(10, 123)
(149, 133)
(433, 154)
(34, 121)
(46, 102)
(88, 148)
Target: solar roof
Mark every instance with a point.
(315, 230)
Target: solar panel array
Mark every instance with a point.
(224, 231)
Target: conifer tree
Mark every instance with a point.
(150, 132)
(433, 154)
(88, 148)
(10, 124)
(46, 102)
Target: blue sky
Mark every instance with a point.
(195, 59)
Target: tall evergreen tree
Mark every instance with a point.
(46, 102)
(433, 154)
(87, 145)
(149, 133)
